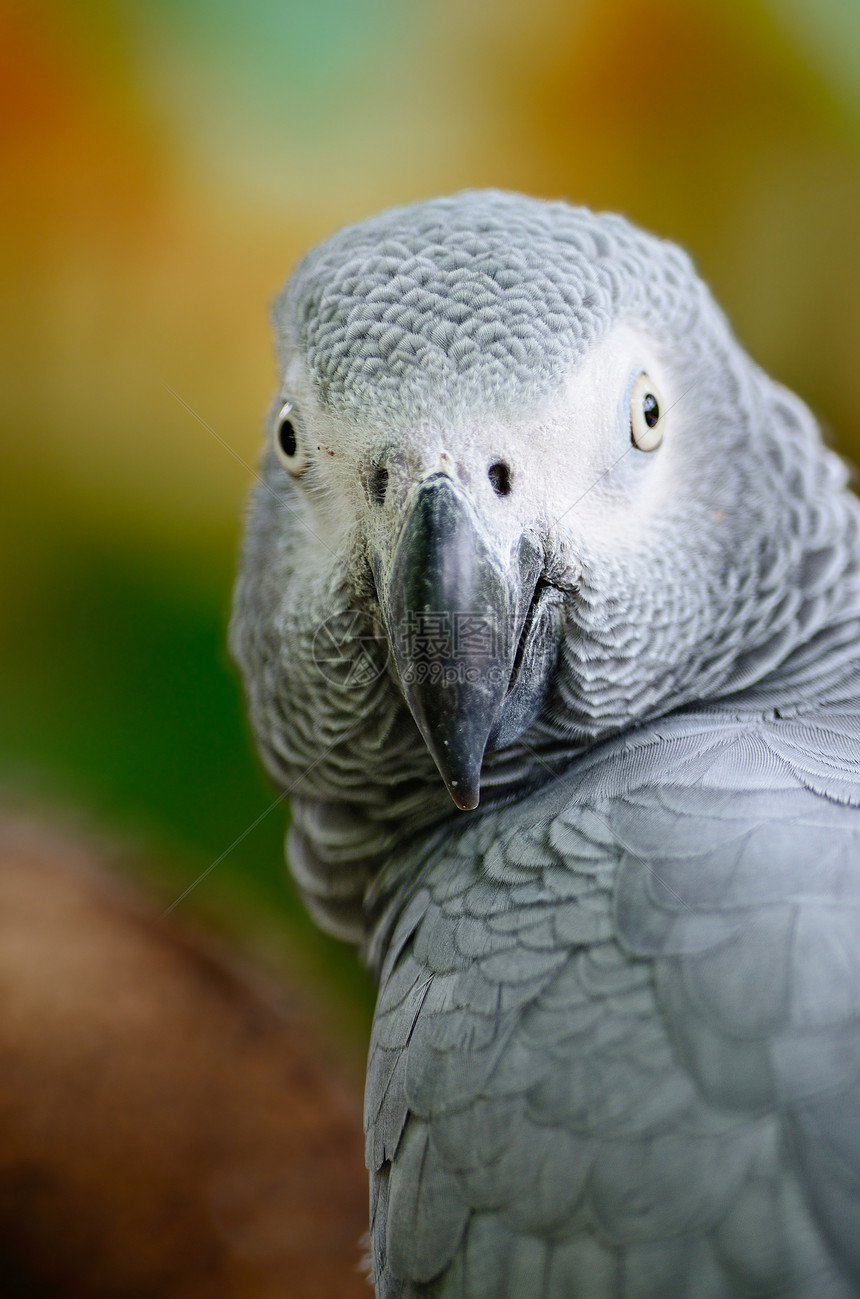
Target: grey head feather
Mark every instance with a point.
(484, 297)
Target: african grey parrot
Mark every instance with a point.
(532, 526)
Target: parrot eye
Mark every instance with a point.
(287, 444)
(646, 410)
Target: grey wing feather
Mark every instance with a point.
(621, 1039)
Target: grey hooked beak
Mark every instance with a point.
(460, 617)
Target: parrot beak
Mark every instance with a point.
(459, 615)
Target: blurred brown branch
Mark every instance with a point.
(163, 1129)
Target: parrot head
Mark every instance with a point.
(522, 489)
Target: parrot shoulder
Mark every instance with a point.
(618, 1031)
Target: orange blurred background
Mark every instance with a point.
(165, 163)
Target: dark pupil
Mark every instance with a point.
(500, 476)
(650, 409)
(287, 438)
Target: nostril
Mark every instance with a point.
(377, 484)
(500, 476)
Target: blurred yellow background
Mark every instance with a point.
(163, 166)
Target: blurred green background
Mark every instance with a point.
(163, 166)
